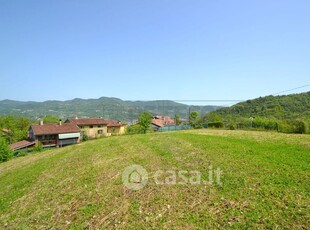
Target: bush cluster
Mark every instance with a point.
(283, 126)
(217, 124)
(5, 151)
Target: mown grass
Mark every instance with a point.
(265, 183)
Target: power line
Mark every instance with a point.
(206, 100)
(194, 100)
(222, 100)
(291, 89)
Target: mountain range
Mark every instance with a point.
(107, 107)
(281, 107)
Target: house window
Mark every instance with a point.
(91, 126)
(100, 126)
(100, 131)
(47, 137)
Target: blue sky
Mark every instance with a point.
(148, 50)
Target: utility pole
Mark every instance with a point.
(102, 111)
(163, 108)
(251, 121)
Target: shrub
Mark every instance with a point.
(292, 126)
(271, 125)
(299, 126)
(267, 124)
(217, 124)
(20, 153)
(133, 129)
(307, 126)
(197, 126)
(38, 147)
(5, 151)
(85, 137)
(242, 125)
(232, 126)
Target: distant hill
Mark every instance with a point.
(280, 107)
(110, 108)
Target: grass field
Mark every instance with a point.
(265, 183)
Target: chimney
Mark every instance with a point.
(60, 123)
(41, 122)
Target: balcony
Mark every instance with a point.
(49, 142)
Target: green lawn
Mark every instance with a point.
(265, 183)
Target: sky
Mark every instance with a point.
(153, 49)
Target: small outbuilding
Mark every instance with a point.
(22, 145)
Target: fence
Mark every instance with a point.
(174, 128)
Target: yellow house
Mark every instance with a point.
(115, 127)
(97, 127)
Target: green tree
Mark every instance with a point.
(214, 117)
(193, 116)
(17, 128)
(5, 151)
(177, 119)
(1, 122)
(213, 120)
(145, 120)
(51, 119)
(194, 120)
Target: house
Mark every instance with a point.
(161, 121)
(115, 127)
(165, 119)
(156, 124)
(54, 135)
(92, 127)
(97, 127)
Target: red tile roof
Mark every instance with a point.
(48, 129)
(87, 121)
(21, 145)
(114, 123)
(95, 121)
(163, 120)
(158, 122)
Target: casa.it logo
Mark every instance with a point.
(135, 177)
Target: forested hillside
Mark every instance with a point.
(281, 107)
(288, 114)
